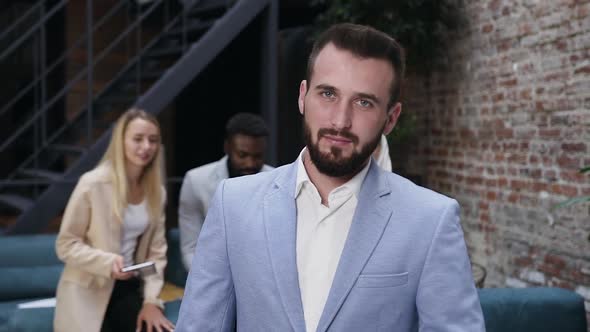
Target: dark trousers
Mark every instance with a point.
(124, 306)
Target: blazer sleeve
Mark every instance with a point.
(70, 245)
(446, 298)
(209, 300)
(190, 220)
(157, 253)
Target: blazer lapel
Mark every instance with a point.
(372, 215)
(280, 219)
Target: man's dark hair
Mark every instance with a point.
(365, 42)
(248, 124)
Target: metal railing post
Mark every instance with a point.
(36, 105)
(90, 70)
(43, 76)
(184, 38)
(269, 77)
(137, 48)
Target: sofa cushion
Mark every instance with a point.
(7, 309)
(29, 266)
(175, 271)
(10, 315)
(32, 320)
(26, 282)
(41, 319)
(532, 309)
(28, 250)
(172, 309)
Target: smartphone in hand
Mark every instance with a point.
(144, 269)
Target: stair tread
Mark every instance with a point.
(116, 99)
(165, 51)
(17, 201)
(41, 173)
(193, 26)
(208, 5)
(67, 148)
(153, 73)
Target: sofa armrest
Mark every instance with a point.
(539, 309)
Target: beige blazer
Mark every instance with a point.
(88, 242)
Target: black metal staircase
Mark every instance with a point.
(188, 35)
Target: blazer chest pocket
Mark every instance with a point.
(382, 280)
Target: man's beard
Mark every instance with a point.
(236, 172)
(332, 163)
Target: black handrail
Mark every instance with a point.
(52, 66)
(19, 20)
(28, 34)
(68, 86)
(52, 199)
(77, 116)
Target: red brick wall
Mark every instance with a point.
(504, 130)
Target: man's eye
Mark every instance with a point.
(364, 103)
(328, 94)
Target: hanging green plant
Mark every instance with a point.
(423, 27)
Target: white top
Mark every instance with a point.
(135, 222)
(321, 234)
(383, 159)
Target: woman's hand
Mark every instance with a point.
(154, 319)
(116, 270)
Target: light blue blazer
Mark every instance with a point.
(404, 266)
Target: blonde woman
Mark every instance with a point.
(113, 219)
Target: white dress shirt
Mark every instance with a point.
(321, 234)
(135, 222)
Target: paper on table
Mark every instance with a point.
(44, 303)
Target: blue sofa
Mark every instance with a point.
(538, 309)
(30, 270)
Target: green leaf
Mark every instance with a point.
(423, 27)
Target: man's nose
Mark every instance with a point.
(342, 116)
(250, 162)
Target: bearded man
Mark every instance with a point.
(332, 242)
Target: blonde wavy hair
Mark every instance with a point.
(152, 176)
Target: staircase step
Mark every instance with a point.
(16, 201)
(153, 74)
(194, 26)
(66, 148)
(117, 99)
(206, 6)
(165, 51)
(41, 174)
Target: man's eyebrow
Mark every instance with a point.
(369, 96)
(325, 87)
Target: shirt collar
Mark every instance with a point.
(354, 184)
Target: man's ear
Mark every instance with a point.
(393, 114)
(302, 93)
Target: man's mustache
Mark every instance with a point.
(342, 133)
(246, 171)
